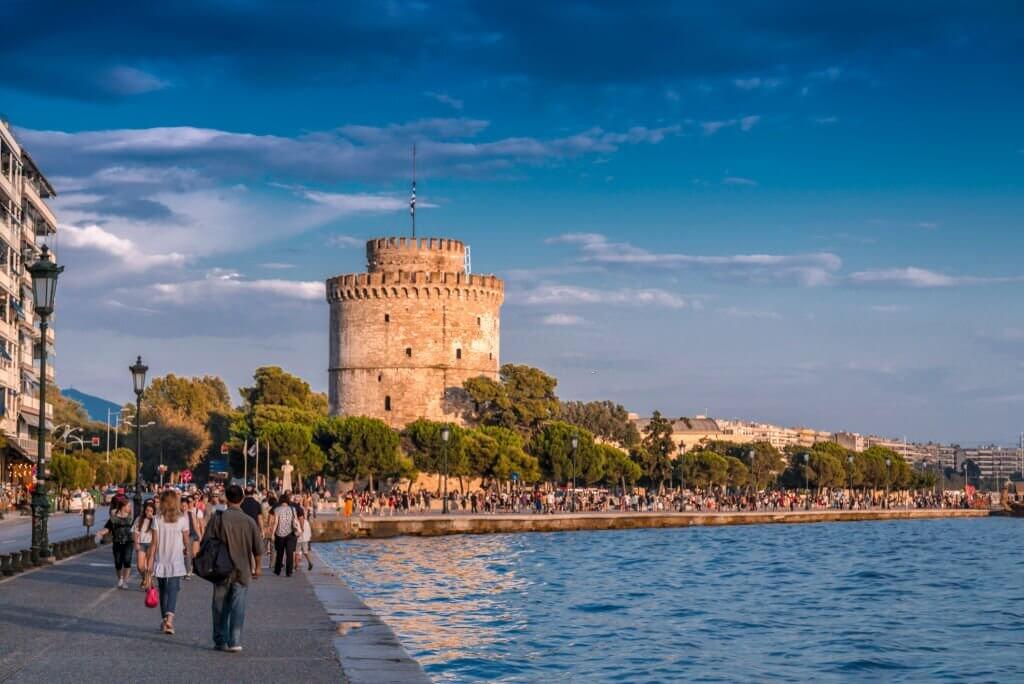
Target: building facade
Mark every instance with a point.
(406, 335)
(26, 223)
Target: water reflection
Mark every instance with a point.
(906, 601)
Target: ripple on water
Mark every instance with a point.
(898, 602)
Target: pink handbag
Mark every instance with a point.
(152, 598)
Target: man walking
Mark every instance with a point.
(244, 541)
(250, 506)
(283, 521)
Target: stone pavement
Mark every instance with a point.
(68, 623)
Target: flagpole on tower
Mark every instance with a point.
(412, 198)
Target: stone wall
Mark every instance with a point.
(405, 336)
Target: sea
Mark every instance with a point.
(897, 601)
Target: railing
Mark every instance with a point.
(33, 194)
(31, 446)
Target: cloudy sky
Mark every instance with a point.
(801, 212)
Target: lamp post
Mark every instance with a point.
(849, 473)
(965, 483)
(138, 370)
(807, 480)
(575, 447)
(44, 274)
(445, 435)
(753, 480)
(888, 480)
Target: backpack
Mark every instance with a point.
(213, 562)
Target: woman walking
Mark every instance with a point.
(143, 533)
(119, 527)
(170, 538)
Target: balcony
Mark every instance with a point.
(32, 193)
(31, 446)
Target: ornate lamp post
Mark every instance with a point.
(888, 480)
(445, 436)
(753, 480)
(575, 447)
(44, 274)
(807, 481)
(849, 462)
(138, 370)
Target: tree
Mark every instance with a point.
(767, 464)
(273, 386)
(122, 463)
(421, 439)
(176, 440)
(522, 399)
(737, 473)
(191, 398)
(67, 411)
(552, 445)
(703, 469)
(511, 458)
(658, 449)
(359, 447)
(619, 468)
(604, 419)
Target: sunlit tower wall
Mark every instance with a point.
(406, 334)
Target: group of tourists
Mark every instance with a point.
(545, 501)
(175, 529)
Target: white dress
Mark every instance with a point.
(170, 552)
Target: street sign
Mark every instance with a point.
(224, 449)
(186, 475)
(515, 477)
(95, 441)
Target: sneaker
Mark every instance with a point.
(233, 649)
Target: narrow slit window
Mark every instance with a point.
(380, 377)
(387, 403)
(387, 318)
(479, 322)
(408, 352)
(458, 353)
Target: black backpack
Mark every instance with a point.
(213, 562)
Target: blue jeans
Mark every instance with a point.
(228, 613)
(169, 588)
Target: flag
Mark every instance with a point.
(251, 451)
(412, 200)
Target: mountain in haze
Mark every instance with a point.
(96, 407)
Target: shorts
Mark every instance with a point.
(122, 556)
(144, 547)
(303, 547)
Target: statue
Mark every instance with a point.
(286, 476)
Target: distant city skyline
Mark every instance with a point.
(798, 214)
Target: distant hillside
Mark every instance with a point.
(96, 407)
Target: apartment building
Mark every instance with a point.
(26, 223)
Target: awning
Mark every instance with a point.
(33, 420)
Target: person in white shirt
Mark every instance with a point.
(170, 539)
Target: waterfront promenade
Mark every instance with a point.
(332, 527)
(68, 623)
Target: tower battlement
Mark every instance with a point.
(415, 254)
(416, 284)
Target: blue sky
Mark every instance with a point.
(805, 213)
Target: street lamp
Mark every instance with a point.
(138, 370)
(575, 447)
(44, 274)
(888, 479)
(445, 435)
(807, 483)
(752, 454)
(849, 462)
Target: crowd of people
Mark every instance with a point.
(543, 501)
(170, 531)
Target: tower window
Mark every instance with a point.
(479, 322)
(458, 353)
(387, 403)
(387, 318)
(490, 355)
(380, 377)
(408, 352)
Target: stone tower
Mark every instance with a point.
(407, 333)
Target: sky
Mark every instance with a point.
(798, 212)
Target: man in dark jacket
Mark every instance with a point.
(245, 544)
(250, 506)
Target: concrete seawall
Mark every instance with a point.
(432, 525)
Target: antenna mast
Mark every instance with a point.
(412, 198)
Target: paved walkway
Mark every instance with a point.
(16, 530)
(68, 623)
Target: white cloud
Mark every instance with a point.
(748, 122)
(452, 102)
(219, 283)
(345, 241)
(277, 266)
(825, 120)
(811, 269)
(888, 308)
(561, 319)
(738, 180)
(745, 123)
(747, 313)
(124, 80)
(912, 276)
(572, 294)
(131, 258)
(755, 82)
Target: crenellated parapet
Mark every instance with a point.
(414, 285)
(415, 254)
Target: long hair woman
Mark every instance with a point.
(119, 527)
(143, 532)
(170, 537)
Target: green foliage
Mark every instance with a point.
(358, 447)
(523, 399)
(191, 398)
(511, 457)
(552, 445)
(122, 462)
(603, 419)
(767, 461)
(738, 475)
(658, 449)
(619, 468)
(72, 472)
(273, 386)
(703, 469)
(421, 439)
(67, 411)
(181, 442)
